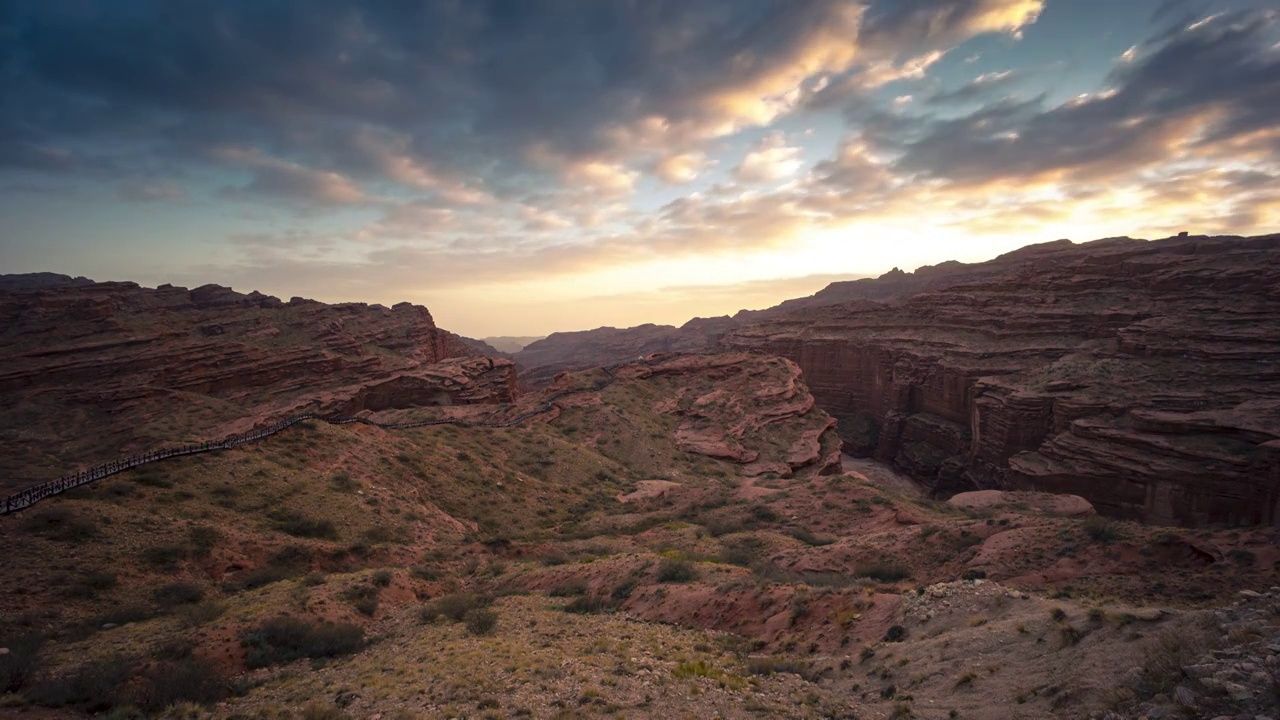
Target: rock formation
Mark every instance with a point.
(558, 352)
(93, 371)
(1142, 376)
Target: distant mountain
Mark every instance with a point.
(510, 344)
(39, 281)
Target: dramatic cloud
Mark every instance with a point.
(471, 154)
(771, 160)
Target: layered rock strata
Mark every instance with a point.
(1143, 376)
(104, 369)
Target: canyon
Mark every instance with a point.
(1142, 375)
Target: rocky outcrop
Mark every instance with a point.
(107, 369)
(1143, 376)
(748, 409)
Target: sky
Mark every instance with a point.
(527, 166)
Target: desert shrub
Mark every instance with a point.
(1058, 614)
(379, 535)
(59, 523)
(766, 666)
(1068, 635)
(895, 633)
(623, 590)
(201, 613)
(569, 588)
(480, 621)
(178, 593)
(363, 597)
(454, 607)
(164, 556)
(807, 537)
(741, 553)
(177, 648)
(256, 578)
(19, 666)
(1100, 529)
(973, 574)
(285, 639)
(92, 687)
(424, 572)
(382, 578)
(124, 614)
(763, 514)
(89, 585)
(299, 525)
(883, 571)
(170, 683)
(202, 539)
(1166, 653)
(342, 482)
(672, 570)
(587, 604)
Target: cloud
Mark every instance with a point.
(682, 167)
(980, 89)
(277, 179)
(771, 160)
(1208, 87)
(904, 26)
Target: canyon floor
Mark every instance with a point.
(682, 542)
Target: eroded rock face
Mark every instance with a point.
(748, 409)
(95, 371)
(1142, 376)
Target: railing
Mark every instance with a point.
(26, 498)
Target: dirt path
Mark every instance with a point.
(884, 476)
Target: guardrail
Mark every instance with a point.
(30, 496)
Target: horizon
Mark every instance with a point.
(528, 168)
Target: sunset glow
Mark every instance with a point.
(524, 167)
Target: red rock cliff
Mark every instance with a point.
(93, 371)
(1144, 376)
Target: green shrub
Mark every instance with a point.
(672, 570)
(363, 597)
(286, 639)
(1101, 529)
(202, 539)
(19, 666)
(883, 571)
(807, 537)
(59, 523)
(342, 482)
(895, 633)
(179, 593)
(299, 525)
(164, 556)
(481, 621)
(92, 687)
(89, 585)
(382, 578)
(587, 604)
(455, 606)
(767, 666)
(170, 683)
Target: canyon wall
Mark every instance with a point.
(93, 370)
(1144, 376)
